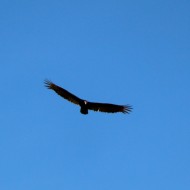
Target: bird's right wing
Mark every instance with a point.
(62, 92)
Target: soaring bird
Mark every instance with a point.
(86, 105)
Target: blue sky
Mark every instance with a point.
(123, 52)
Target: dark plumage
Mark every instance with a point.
(85, 105)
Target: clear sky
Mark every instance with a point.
(117, 51)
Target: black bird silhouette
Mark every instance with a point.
(86, 105)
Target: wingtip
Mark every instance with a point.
(47, 83)
(127, 109)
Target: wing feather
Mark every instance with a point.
(62, 92)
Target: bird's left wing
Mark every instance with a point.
(109, 108)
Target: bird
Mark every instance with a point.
(86, 105)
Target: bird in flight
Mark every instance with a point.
(86, 105)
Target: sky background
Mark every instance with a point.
(117, 51)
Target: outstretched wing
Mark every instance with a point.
(62, 92)
(109, 108)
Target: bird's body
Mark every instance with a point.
(86, 105)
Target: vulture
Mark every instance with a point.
(86, 105)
